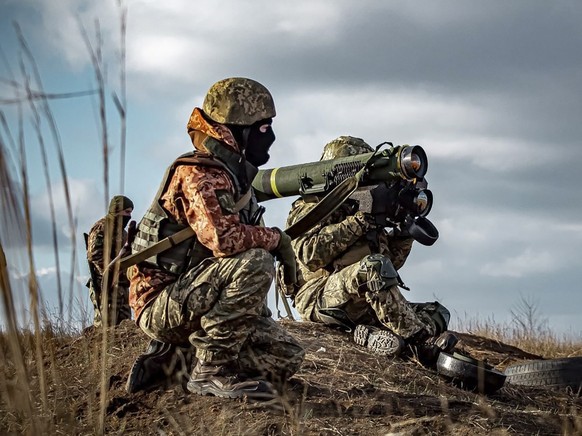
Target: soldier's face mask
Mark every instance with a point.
(125, 216)
(259, 140)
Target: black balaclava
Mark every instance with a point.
(125, 220)
(255, 140)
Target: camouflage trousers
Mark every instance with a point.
(118, 303)
(348, 290)
(220, 308)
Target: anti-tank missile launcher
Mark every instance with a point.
(395, 177)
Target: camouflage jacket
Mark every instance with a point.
(199, 196)
(332, 245)
(96, 248)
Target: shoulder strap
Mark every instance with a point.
(156, 248)
(324, 208)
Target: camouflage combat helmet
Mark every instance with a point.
(238, 101)
(345, 146)
(119, 203)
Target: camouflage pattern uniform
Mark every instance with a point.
(329, 264)
(219, 304)
(118, 297)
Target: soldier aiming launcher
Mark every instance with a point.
(401, 198)
(393, 178)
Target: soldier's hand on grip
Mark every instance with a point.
(365, 220)
(131, 231)
(403, 229)
(284, 254)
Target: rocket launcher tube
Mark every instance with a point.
(400, 162)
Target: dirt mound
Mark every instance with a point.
(341, 389)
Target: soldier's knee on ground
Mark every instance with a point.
(377, 273)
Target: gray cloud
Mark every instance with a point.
(492, 90)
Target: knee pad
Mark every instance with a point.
(378, 272)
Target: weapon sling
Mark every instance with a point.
(330, 202)
(324, 208)
(320, 212)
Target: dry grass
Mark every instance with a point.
(538, 340)
(33, 103)
(341, 389)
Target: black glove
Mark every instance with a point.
(284, 253)
(131, 231)
(383, 201)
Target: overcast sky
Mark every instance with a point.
(491, 90)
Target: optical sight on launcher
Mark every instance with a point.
(391, 185)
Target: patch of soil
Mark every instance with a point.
(341, 389)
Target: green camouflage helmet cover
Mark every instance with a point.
(345, 146)
(119, 203)
(238, 101)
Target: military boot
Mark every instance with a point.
(223, 380)
(427, 352)
(446, 341)
(379, 341)
(160, 364)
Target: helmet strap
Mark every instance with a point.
(235, 162)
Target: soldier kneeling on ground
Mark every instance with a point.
(347, 276)
(206, 296)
